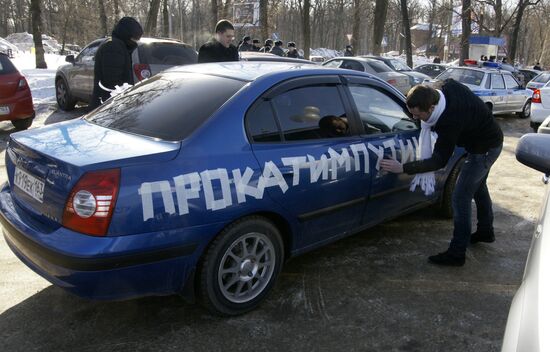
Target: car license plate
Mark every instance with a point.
(4, 110)
(29, 184)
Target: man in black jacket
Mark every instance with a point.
(113, 59)
(278, 48)
(245, 45)
(459, 118)
(219, 48)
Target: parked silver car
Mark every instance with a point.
(529, 317)
(372, 66)
(539, 81)
(74, 82)
(401, 67)
(497, 88)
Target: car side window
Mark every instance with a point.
(352, 65)
(88, 53)
(333, 63)
(497, 81)
(313, 112)
(511, 83)
(488, 82)
(261, 123)
(379, 113)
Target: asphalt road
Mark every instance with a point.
(374, 291)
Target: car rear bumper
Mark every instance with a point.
(538, 113)
(20, 106)
(99, 267)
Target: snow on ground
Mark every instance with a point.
(41, 81)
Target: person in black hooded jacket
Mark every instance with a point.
(113, 59)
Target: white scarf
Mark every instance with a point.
(427, 142)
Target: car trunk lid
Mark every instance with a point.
(44, 164)
(8, 84)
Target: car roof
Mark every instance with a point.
(256, 56)
(356, 58)
(252, 70)
(481, 69)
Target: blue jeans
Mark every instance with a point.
(472, 184)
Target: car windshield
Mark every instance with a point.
(6, 67)
(399, 66)
(461, 75)
(542, 78)
(168, 106)
(167, 54)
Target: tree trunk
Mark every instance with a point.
(214, 13)
(498, 18)
(151, 21)
(165, 20)
(380, 12)
(37, 34)
(227, 9)
(407, 30)
(466, 30)
(264, 25)
(103, 18)
(356, 32)
(306, 28)
(515, 32)
(545, 48)
(431, 26)
(117, 11)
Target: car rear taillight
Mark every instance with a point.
(536, 97)
(393, 82)
(22, 84)
(142, 71)
(470, 62)
(89, 208)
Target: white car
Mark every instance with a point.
(540, 106)
(529, 317)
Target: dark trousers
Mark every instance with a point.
(472, 184)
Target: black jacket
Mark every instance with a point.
(293, 53)
(348, 53)
(214, 51)
(466, 122)
(246, 47)
(277, 50)
(113, 59)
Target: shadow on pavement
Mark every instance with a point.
(373, 291)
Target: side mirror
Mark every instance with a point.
(69, 58)
(532, 150)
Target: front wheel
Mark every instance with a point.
(526, 110)
(241, 266)
(22, 124)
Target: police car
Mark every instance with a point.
(497, 88)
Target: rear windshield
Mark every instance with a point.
(6, 66)
(399, 66)
(167, 106)
(379, 66)
(465, 76)
(167, 54)
(542, 78)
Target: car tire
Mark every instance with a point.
(446, 204)
(526, 110)
(240, 266)
(22, 124)
(63, 96)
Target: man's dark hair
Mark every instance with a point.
(279, 43)
(255, 41)
(224, 25)
(422, 97)
(268, 42)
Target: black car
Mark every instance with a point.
(432, 70)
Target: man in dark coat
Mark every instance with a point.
(245, 45)
(113, 59)
(219, 48)
(292, 52)
(267, 46)
(278, 48)
(349, 51)
(459, 118)
(537, 67)
(255, 45)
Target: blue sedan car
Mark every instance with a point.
(204, 179)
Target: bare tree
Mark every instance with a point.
(306, 27)
(264, 25)
(151, 21)
(522, 5)
(356, 34)
(103, 18)
(214, 12)
(407, 30)
(165, 20)
(380, 12)
(466, 30)
(37, 33)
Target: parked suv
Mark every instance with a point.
(74, 82)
